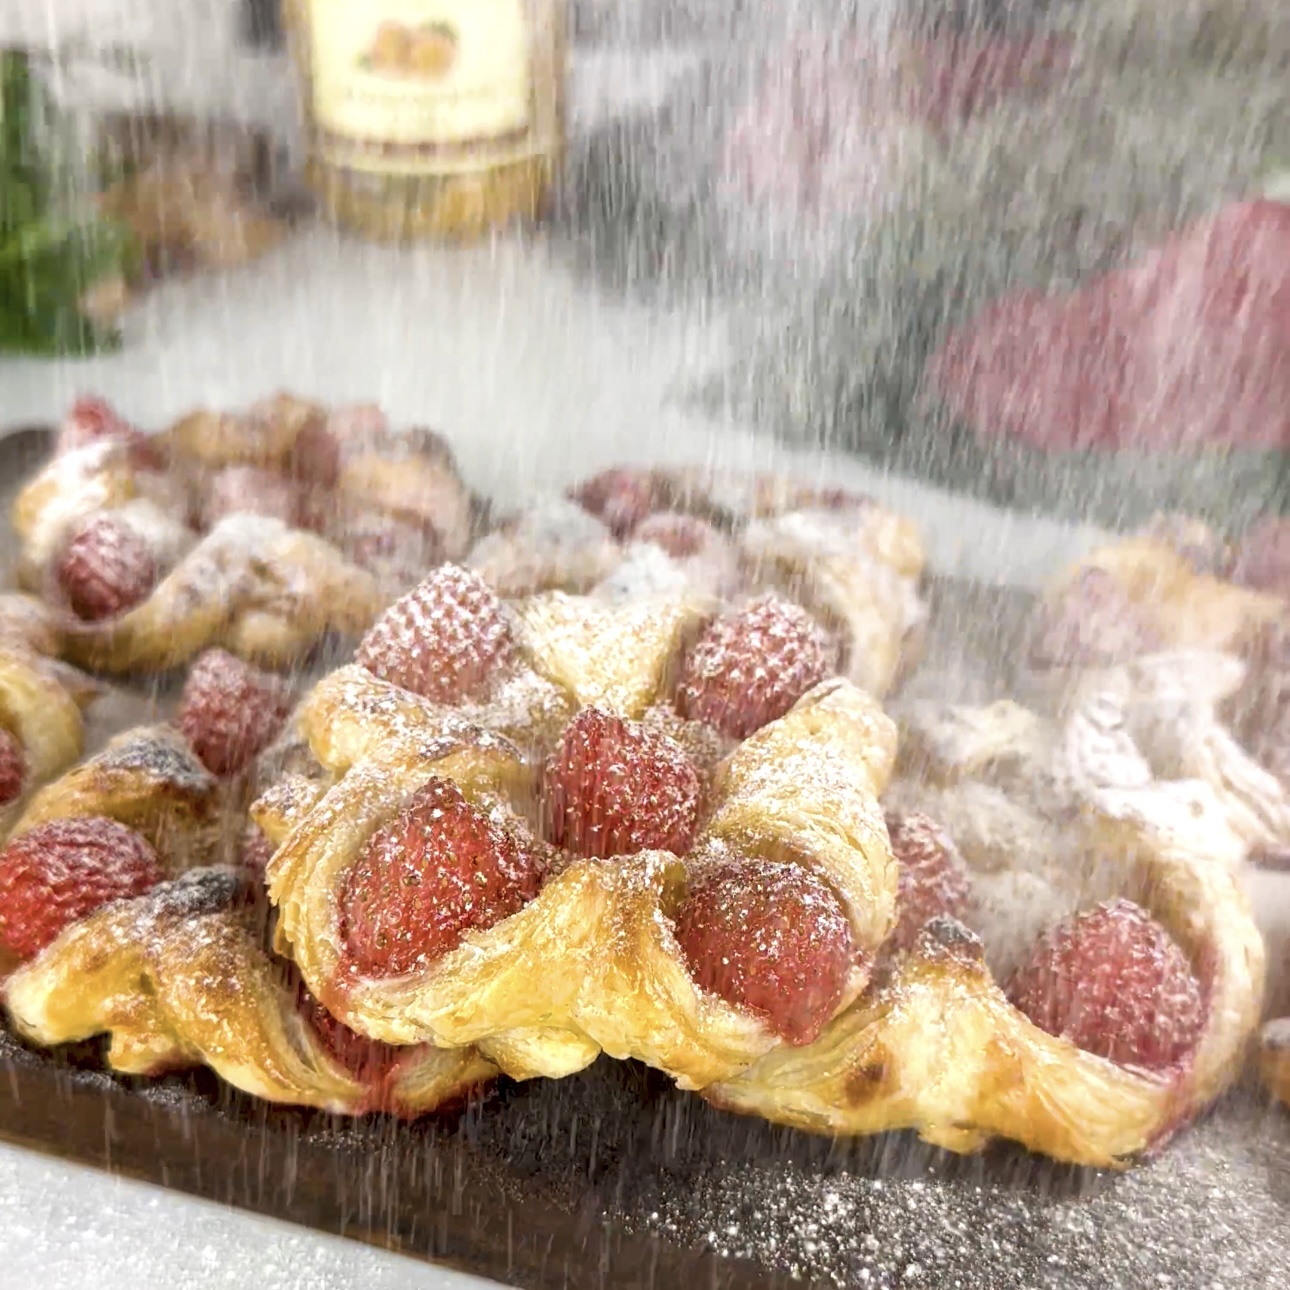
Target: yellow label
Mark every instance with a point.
(420, 85)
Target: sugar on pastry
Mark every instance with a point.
(257, 531)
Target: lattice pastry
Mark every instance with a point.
(761, 947)
(629, 534)
(1132, 969)
(42, 702)
(118, 935)
(259, 533)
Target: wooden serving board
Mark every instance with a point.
(613, 1178)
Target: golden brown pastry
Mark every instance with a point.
(42, 701)
(630, 534)
(590, 962)
(257, 531)
(940, 1047)
(168, 961)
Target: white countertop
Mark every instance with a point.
(65, 1226)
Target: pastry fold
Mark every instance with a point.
(591, 964)
(180, 977)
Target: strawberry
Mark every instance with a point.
(93, 420)
(751, 668)
(615, 787)
(933, 881)
(1112, 981)
(620, 499)
(440, 869)
(446, 640)
(62, 871)
(13, 767)
(255, 853)
(106, 569)
(365, 1059)
(770, 938)
(230, 712)
(679, 535)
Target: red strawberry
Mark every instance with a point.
(749, 669)
(679, 535)
(230, 712)
(13, 767)
(440, 869)
(933, 881)
(770, 938)
(621, 499)
(248, 489)
(365, 1059)
(62, 871)
(617, 788)
(105, 569)
(93, 420)
(1113, 982)
(447, 639)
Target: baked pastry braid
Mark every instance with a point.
(360, 482)
(938, 1047)
(134, 538)
(178, 976)
(635, 534)
(254, 586)
(1173, 587)
(42, 703)
(590, 964)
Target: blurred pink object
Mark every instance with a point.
(832, 122)
(1187, 348)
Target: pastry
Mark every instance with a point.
(1131, 968)
(42, 701)
(634, 533)
(452, 763)
(123, 926)
(645, 934)
(259, 532)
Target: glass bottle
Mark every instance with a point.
(431, 119)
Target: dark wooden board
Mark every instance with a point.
(612, 1178)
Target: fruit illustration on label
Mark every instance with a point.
(424, 53)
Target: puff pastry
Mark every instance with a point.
(257, 531)
(180, 976)
(937, 1047)
(853, 564)
(589, 965)
(42, 703)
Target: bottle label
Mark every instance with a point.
(422, 86)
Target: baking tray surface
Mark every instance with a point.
(612, 1178)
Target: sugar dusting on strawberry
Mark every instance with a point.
(1113, 982)
(60, 872)
(615, 788)
(933, 879)
(13, 767)
(105, 570)
(230, 712)
(369, 1062)
(679, 535)
(447, 639)
(440, 869)
(770, 938)
(619, 498)
(751, 668)
(93, 420)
